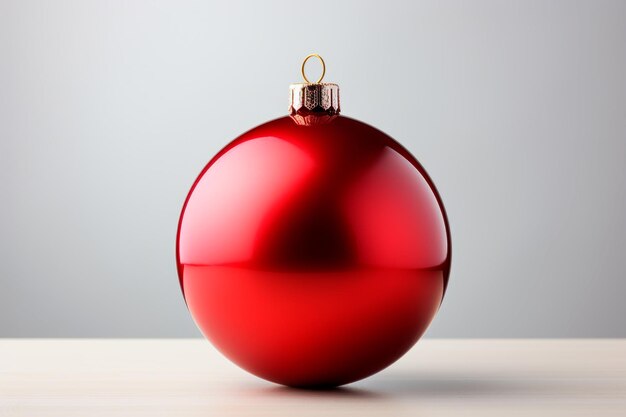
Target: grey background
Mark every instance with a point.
(109, 110)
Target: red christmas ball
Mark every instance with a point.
(313, 255)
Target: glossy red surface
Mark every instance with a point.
(313, 255)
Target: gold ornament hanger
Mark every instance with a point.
(319, 80)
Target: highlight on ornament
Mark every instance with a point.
(314, 249)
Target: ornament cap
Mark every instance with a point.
(313, 103)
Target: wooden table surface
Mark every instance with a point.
(187, 377)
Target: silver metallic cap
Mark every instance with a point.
(313, 103)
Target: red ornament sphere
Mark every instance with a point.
(313, 256)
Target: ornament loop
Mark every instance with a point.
(304, 64)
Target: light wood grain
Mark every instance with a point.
(187, 377)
